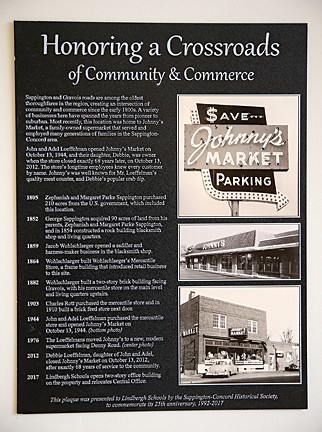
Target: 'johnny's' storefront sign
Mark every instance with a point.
(214, 244)
(236, 147)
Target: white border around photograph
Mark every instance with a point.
(280, 110)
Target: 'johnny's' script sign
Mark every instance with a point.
(236, 147)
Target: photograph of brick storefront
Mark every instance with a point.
(249, 254)
(213, 329)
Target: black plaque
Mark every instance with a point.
(97, 227)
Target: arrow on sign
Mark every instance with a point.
(279, 199)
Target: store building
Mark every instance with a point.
(212, 329)
(283, 356)
(248, 254)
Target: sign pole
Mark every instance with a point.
(234, 206)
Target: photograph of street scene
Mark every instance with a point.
(239, 251)
(245, 335)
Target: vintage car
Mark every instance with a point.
(292, 368)
(221, 367)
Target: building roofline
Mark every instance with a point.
(224, 301)
(259, 237)
(248, 249)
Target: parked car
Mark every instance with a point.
(221, 367)
(292, 368)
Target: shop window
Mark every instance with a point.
(252, 326)
(226, 262)
(244, 261)
(276, 264)
(294, 264)
(219, 321)
(289, 356)
(269, 263)
(214, 260)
